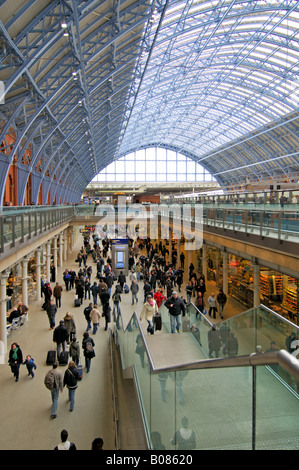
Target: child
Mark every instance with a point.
(29, 362)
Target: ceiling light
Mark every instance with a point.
(63, 24)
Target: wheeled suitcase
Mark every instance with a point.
(51, 357)
(158, 322)
(77, 303)
(126, 289)
(63, 358)
(79, 369)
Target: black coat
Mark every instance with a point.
(19, 359)
(60, 334)
(178, 306)
(71, 377)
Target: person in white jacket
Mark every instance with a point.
(95, 318)
(150, 308)
(212, 301)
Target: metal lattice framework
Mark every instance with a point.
(87, 82)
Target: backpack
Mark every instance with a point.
(89, 347)
(50, 380)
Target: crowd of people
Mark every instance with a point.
(162, 283)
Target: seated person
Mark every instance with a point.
(13, 314)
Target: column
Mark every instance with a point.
(38, 273)
(170, 245)
(25, 281)
(55, 252)
(204, 261)
(3, 337)
(225, 272)
(61, 249)
(65, 245)
(48, 261)
(256, 285)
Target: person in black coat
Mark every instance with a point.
(107, 314)
(121, 280)
(70, 380)
(88, 349)
(80, 292)
(176, 307)
(60, 336)
(15, 359)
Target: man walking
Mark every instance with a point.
(134, 289)
(60, 336)
(51, 310)
(54, 383)
(86, 312)
(176, 307)
(57, 293)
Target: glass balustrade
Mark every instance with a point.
(19, 222)
(232, 408)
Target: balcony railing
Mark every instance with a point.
(242, 401)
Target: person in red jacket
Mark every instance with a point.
(159, 297)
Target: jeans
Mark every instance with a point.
(134, 297)
(72, 397)
(52, 321)
(60, 347)
(150, 327)
(212, 310)
(116, 307)
(95, 328)
(88, 325)
(175, 323)
(221, 307)
(87, 363)
(55, 396)
(58, 301)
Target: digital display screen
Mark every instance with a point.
(120, 259)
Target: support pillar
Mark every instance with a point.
(48, 261)
(38, 273)
(256, 285)
(204, 261)
(61, 249)
(3, 299)
(55, 253)
(25, 281)
(64, 245)
(225, 272)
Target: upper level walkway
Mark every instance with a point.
(255, 232)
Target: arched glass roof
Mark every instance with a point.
(89, 81)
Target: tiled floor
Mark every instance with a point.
(25, 406)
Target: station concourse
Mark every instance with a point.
(173, 107)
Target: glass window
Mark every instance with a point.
(154, 164)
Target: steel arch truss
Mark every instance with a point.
(220, 73)
(66, 89)
(215, 80)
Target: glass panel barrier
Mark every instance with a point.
(249, 407)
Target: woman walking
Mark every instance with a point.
(71, 382)
(15, 360)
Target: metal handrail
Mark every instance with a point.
(282, 357)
